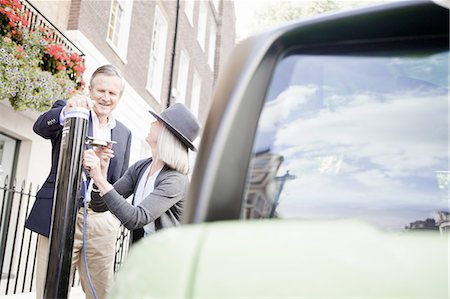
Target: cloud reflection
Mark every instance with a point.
(370, 155)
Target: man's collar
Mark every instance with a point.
(111, 120)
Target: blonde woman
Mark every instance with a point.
(158, 184)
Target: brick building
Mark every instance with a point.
(168, 51)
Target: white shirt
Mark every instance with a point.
(103, 133)
(145, 187)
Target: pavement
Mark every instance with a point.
(75, 293)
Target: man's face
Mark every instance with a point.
(105, 93)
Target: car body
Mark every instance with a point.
(323, 168)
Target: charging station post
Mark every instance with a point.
(67, 193)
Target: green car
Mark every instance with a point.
(323, 170)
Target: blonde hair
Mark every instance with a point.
(172, 151)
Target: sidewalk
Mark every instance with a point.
(75, 293)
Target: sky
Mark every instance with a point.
(244, 16)
(245, 9)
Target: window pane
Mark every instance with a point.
(196, 91)
(157, 55)
(212, 44)
(189, 10)
(114, 22)
(361, 137)
(182, 80)
(202, 20)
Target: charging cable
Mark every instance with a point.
(83, 176)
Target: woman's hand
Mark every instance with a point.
(104, 153)
(92, 163)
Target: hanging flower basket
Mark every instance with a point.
(35, 71)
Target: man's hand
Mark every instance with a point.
(79, 100)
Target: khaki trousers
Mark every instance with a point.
(101, 232)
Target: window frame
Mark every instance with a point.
(119, 39)
(183, 76)
(189, 8)
(157, 55)
(202, 24)
(212, 45)
(196, 92)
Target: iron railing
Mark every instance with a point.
(18, 245)
(37, 20)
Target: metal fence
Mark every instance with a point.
(37, 20)
(18, 245)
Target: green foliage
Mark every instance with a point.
(24, 83)
(322, 6)
(34, 70)
(279, 12)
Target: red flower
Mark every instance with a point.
(56, 58)
(79, 69)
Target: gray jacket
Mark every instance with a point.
(164, 205)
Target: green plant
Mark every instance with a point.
(25, 84)
(35, 70)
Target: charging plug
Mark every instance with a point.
(92, 141)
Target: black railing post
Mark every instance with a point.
(22, 230)
(29, 242)
(13, 247)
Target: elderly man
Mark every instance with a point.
(105, 90)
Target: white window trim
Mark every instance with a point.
(196, 93)
(216, 4)
(153, 86)
(183, 75)
(212, 44)
(202, 24)
(189, 10)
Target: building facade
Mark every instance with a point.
(168, 51)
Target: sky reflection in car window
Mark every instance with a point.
(362, 137)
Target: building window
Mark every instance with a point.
(183, 72)
(119, 26)
(157, 54)
(212, 45)
(196, 91)
(189, 10)
(115, 20)
(8, 150)
(202, 20)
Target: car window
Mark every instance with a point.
(362, 137)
